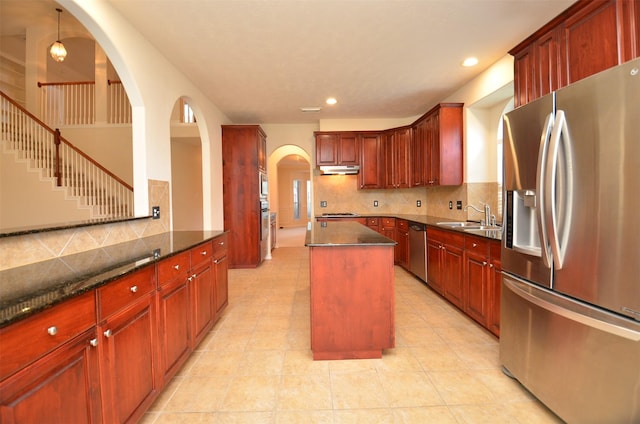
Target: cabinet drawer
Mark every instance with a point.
(388, 222)
(402, 224)
(451, 238)
(173, 267)
(220, 246)
(477, 245)
(201, 253)
(29, 339)
(373, 222)
(118, 294)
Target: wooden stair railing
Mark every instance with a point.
(46, 149)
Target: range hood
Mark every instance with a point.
(340, 169)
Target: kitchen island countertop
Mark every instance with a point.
(337, 233)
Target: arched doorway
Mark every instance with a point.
(186, 169)
(294, 189)
(287, 164)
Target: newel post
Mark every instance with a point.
(56, 141)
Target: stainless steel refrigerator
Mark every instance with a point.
(570, 311)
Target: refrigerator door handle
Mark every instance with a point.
(558, 196)
(572, 310)
(541, 190)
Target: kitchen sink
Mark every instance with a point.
(466, 225)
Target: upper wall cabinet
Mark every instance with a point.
(337, 148)
(439, 132)
(397, 158)
(371, 159)
(589, 37)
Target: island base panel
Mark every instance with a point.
(352, 301)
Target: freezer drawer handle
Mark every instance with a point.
(591, 321)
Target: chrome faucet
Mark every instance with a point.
(487, 213)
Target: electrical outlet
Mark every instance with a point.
(323, 203)
(459, 204)
(375, 203)
(155, 212)
(450, 204)
(418, 203)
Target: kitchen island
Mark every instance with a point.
(352, 291)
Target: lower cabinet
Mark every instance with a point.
(103, 356)
(444, 264)
(220, 274)
(63, 386)
(201, 288)
(465, 269)
(173, 313)
(495, 284)
(402, 248)
(127, 346)
(476, 273)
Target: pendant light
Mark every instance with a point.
(57, 50)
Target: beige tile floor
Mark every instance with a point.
(256, 366)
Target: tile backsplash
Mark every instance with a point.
(342, 195)
(29, 248)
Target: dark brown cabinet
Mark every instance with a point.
(465, 269)
(243, 154)
(337, 148)
(220, 273)
(202, 292)
(397, 162)
(476, 273)
(444, 264)
(49, 366)
(173, 313)
(443, 145)
(371, 160)
(495, 285)
(418, 153)
(103, 356)
(373, 223)
(402, 248)
(589, 37)
(127, 341)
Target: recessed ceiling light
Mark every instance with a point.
(310, 109)
(470, 61)
(331, 101)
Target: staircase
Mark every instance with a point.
(43, 149)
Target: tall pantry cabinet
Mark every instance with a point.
(243, 159)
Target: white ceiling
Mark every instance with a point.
(260, 61)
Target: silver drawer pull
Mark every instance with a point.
(221, 243)
(475, 244)
(53, 330)
(176, 267)
(490, 265)
(108, 333)
(93, 342)
(134, 289)
(203, 253)
(484, 263)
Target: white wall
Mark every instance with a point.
(27, 200)
(480, 148)
(153, 85)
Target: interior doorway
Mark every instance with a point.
(186, 169)
(294, 191)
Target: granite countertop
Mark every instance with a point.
(494, 234)
(31, 288)
(325, 234)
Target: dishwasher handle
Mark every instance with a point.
(418, 227)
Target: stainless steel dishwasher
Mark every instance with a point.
(417, 250)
